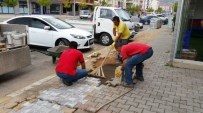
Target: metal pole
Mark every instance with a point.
(28, 6)
(74, 8)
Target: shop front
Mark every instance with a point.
(187, 49)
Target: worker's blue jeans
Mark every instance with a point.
(80, 73)
(136, 60)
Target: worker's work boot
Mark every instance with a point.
(127, 85)
(139, 78)
(67, 83)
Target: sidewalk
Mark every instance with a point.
(165, 89)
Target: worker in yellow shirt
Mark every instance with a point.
(122, 31)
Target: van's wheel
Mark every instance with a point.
(106, 39)
(62, 42)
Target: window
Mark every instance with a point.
(21, 21)
(36, 23)
(106, 13)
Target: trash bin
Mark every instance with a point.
(155, 23)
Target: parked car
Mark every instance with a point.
(85, 14)
(163, 18)
(146, 19)
(50, 32)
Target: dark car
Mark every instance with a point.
(146, 19)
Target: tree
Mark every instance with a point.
(44, 3)
(150, 9)
(94, 5)
(10, 3)
(159, 10)
(104, 3)
(83, 4)
(175, 7)
(133, 9)
(66, 4)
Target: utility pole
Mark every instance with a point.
(74, 8)
(28, 7)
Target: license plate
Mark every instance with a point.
(91, 41)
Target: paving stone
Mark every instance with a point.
(68, 110)
(140, 101)
(189, 103)
(173, 104)
(153, 104)
(167, 99)
(128, 98)
(136, 96)
(124, 111)
(107, 98)
(156, 96)
(169, 111)
(80, 111)
(189, 111)
(137, 110)
(158, 110)
(114, 104)
(186, 107)
(123, 106)
(160, 101)
(165, 107)
(148, 99)
(101, 100)
(132, 103)
(196, 109)
(104, 111)
(115, 109)
(146, 111)
(177, 109)
(121, 101)
(11, 105)
(144, 106)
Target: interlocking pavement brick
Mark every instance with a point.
(165, 107)
(181, 94)
(189, 111)
(137, 110)
(198, 109)
(121, 101)
(132, 103)
(149, 103)
(174, 97)
(160, 101)
(156, 96)
(146, 95)
(140, 101)
(146, 111)
(177, 109)
(123, 106)
(115, 109)
(202, 106)
(180, 101)
(107, 98)
(90, 103)
(170, 93)
(103, 111)
(158, 110)
(128, 98)
(136, 96)
(100, 100)
(173, 104)
(144, 106)
(106, 107)
(148, 99)
(124, 111)
(186, 107)
(189, 103)
(167, 99)
(169, 111)
(114, 104)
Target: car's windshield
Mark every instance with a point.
(60, 24)
(123, 14)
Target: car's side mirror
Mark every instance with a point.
(47, 27)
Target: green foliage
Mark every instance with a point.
(94, 5)
(104, 3)
(133, 9)
(150, 9)
(159, 10)
(175, 7)
(66, 3)
(10, 3)
(44, 2)
(83, 4)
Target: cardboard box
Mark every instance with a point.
(189, 54)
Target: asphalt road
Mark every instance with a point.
(40, 68)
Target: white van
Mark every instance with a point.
(103, 25)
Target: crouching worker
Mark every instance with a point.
(133, 54)
(66, 67)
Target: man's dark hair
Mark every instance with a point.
(116, 18)
(117, 45)
(73, 44)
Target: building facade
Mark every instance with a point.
(32, 7)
